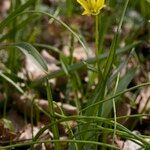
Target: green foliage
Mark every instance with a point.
(20, 31)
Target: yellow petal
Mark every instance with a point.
(93, 3)
(100, 3)
(86, 12)
(91, 6)
(83, 3)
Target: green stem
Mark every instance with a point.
(52, 114)
(97, 52)
(69, 5)
(114, 110)
(37, 4)
(12, 51)
(56, 141)
(97, 34)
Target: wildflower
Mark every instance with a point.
(92, 7)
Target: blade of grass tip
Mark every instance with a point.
(11, 82)
(33, 54)
(15, 14)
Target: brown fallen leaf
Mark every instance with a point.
(29, 131)
(79, 52)
(143, 100)
(123, 109)
(66, 108)
(1, 97)
(4, 6)
(17, 120)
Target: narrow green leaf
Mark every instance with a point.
(19, 26)
(64, 63)
(123, 83)
(33, 54)
(15, 13)
(11, 82)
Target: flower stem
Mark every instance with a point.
(97, 34)
(98, 51)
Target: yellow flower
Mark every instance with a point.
(92, 7)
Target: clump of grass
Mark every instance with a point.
(94, 119)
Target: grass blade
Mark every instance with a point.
(15, 13)
(33, 54)
(11, 82)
